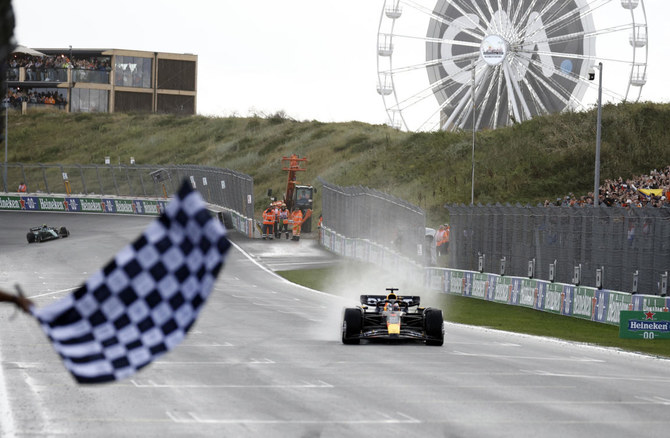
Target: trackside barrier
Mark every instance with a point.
(599, 305)
(228, 193)
(79, 204)
(371, 252)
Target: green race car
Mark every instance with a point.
(44, 233)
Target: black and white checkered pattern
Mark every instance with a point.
(144, 301)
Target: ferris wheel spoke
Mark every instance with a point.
(420, 95)
(590, 84)
(523, 28)
(434, 62)
(468, 14)
(480, 87)
(515, 83)
(560, 22)
(553, 87)
(452, 42)
(496, 110)
(511, 97)
(576, 56)
(575, 36)
(463, 100)
(491, 75)
(443, 20)
(571, 77)
(548, 23)
(540, 108)
(461, 90)
(537, 100)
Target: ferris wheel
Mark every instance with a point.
(515, 59)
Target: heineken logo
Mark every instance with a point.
(10, 203)
(51, 204)
(123, 207)
(90, 205)
(653, 326)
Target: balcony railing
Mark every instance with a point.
(56, 75)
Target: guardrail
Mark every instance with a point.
(126, 189)
(599, 305)
(79, 204)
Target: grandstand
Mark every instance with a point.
(102, 80)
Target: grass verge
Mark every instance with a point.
(477, 312)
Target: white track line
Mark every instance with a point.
(7, 426)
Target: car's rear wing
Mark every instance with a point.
(378, 300)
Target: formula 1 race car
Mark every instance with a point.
(391, 317)
(43, 233)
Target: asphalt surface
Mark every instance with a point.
(265, 359)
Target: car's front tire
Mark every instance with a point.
(30, 237)
(351, 326)
(63, 232)
(433, 326)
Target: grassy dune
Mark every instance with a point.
(541, 159)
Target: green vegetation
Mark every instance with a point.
(541, 159)
(477, 312)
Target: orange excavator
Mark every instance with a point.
(298, 195)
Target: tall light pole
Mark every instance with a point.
(596, 179)
(472, 194)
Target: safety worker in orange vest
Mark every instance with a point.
(283, 220)
(297, 223)
(22, 187)
(445, 244)
(268, 223)
(439, 241)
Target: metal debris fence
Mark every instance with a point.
(223, 187)
(629, 246)
(363, 213)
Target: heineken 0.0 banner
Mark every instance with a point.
(644, 325)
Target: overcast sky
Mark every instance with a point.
(313, 59)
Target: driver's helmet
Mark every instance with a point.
(396, 306)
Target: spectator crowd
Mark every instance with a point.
(639, 191)
(15, 97)
(45, 69)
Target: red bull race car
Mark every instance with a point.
(44, 233)
(392, 317)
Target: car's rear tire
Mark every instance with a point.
(30, 237)
(63, 232)
(351, 326)
(433, 326)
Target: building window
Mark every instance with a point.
(89, 101)
(132, 71)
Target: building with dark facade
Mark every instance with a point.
(103, 80)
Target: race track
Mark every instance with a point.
(265, 359)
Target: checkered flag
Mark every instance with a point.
(145, 300)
